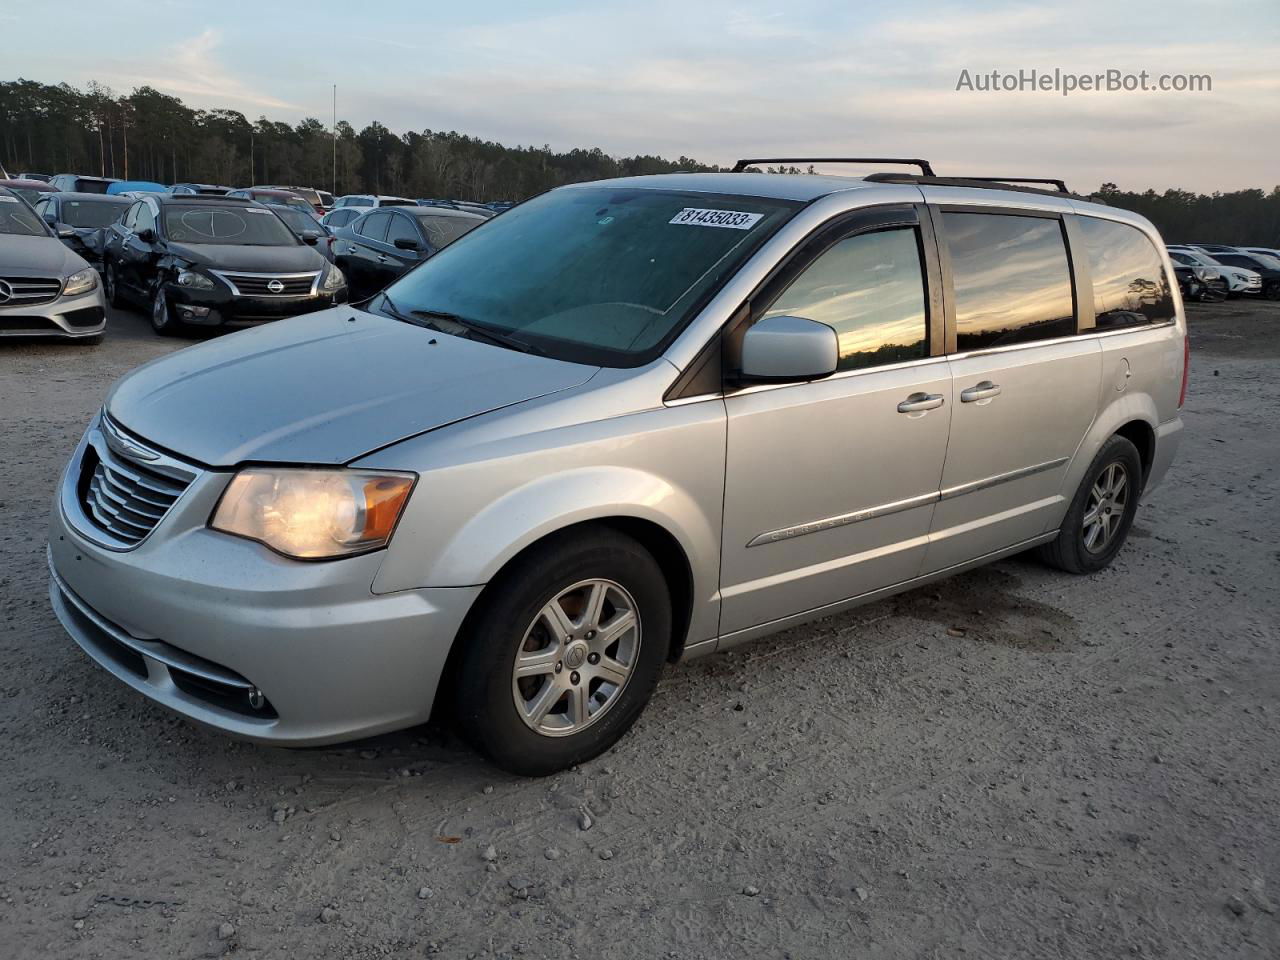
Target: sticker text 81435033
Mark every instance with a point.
(730, 219)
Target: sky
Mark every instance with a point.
(717, 80)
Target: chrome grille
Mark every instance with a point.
(28, 291)
(261, 284)
(122, 496)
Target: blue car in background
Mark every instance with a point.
(135, 186)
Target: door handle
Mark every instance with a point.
(982, 391)
(919, 402)
(382, 258)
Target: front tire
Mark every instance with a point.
(1101, 513)
(564, 653)
(111, 281)
(162, 321)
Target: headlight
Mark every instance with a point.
(333, 280)
(313, 514)
(194, 281)
(80, 282)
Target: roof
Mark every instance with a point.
(20, 183)
(213, 200)
(779, 186)
(439, 212)
(108, 197)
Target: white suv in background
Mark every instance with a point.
(1238, 279)
(372, 200)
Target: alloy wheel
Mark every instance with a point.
(576, 657)
(1104, 513)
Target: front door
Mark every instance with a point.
(830, 485)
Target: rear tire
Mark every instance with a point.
(576, 689)
(1101, 513)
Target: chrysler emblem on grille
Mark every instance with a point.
(275, 286)
(6, 291)
(125, 447)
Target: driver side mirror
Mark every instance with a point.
(147, 235)
(789, 348)
(64, 232)
(311, 237)
(407, 243)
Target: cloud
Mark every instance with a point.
(190, 69)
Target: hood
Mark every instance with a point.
(324, 388)
(222, 256)
(38, 257)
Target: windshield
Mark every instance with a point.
(596, 274)
(442, 231)
(242, 226)
(91, 213)
(18, 220)
(298, 220)
(92, 186)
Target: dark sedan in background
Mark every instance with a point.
(213, 260)
(387, 242)
(78, 219)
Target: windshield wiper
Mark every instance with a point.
(481, 330)
(389, 306)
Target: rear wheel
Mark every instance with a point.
(565, 653)
(1101, 512)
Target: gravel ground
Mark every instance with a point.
(1014, 763)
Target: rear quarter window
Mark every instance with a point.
(1130, 287)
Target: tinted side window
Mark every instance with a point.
(374, 226)
(401, 228)
(1238, 260)
(870, 289)
(1129, 283)
(1012, 279)
(146, 220)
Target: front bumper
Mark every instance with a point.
(84, 315)
(216, 307)
(200, 621)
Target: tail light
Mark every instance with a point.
(1186, 369)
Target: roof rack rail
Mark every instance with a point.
(1020, 184)
(924, 166)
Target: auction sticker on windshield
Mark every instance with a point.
(730, 219)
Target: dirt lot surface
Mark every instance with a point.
(1015, 763)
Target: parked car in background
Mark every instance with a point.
(306, 226)
(385, 243)
(1210, 247)
(341, 216)
(79, 218)
(28, 190)
(74, 183)
(1191, 283)
(372, 200)
(200, 189)
(311, 195)
(1266, 267)
(1239, 280)
(273, 196)
(28, 175)
(212, 260)
(625, 423)
(136, 186)
(479, 209)
(326, 199)
(1210, 282)
(45, 288)
(500, 206)
(1263, 251)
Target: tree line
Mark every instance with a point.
(149, 135)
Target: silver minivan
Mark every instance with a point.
(627, 422)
